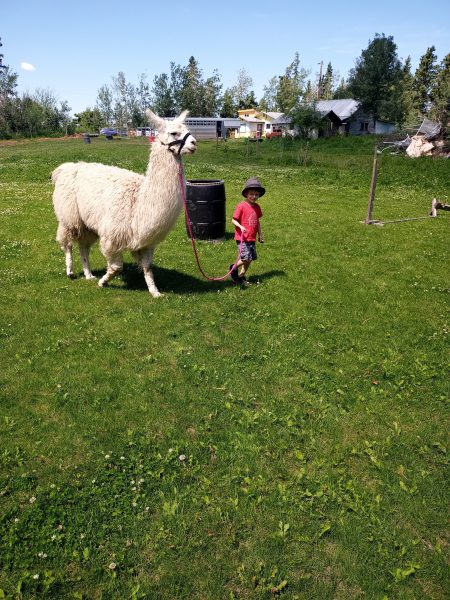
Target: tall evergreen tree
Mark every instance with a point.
(192, 88)
(407, 93)
(290, 89)
(441, 93)
(424, 80)
(211, 96)
(327, 84)
(228, 109)
(376, 78)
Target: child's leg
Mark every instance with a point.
(245, 265)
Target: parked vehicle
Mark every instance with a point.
(110, 131)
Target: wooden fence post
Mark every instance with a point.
(373, 185)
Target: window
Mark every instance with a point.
(267, 125)
(364, 126)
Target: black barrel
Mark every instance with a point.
(205, 199)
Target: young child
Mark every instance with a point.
(245, 219)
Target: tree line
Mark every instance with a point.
(386, 87)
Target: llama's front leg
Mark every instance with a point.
(84, 253)
(146, 264)
(115, 266)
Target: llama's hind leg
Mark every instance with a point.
(65, 241)
(115, 266)
(145, 258)
(84, 253)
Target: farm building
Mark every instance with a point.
(202, 128)
(251, 127)
(210, 128)
(342, 117)
(346, 116)
(255, 123)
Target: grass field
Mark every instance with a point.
(286, 440)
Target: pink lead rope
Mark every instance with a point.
(191, 235)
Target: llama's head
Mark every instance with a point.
(174, 134)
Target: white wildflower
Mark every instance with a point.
(112, 566)
(32, 499)
(107, 456)
(182, 457)
(36, 576)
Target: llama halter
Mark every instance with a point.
(180, 143)
(191, 235)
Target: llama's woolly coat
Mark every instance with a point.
(124, 209)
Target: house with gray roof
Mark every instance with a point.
(344, 116)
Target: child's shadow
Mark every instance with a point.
(265, 276)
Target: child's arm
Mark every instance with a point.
(260, 237)
(238, 225)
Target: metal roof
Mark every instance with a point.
(252, 120)
(271, 114)
(343, 109)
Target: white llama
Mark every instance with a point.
(125, 210)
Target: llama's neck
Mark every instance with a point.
(160, 197)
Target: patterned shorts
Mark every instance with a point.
(248, 250)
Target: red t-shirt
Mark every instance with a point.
(248, 215)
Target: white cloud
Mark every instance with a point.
(27, 66)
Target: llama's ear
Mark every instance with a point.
(154, 119)
(183, 116)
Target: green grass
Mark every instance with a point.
(284, 440)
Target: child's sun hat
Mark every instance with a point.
(254, 184)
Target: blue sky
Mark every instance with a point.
(72, 48)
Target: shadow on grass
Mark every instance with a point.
(171, 280)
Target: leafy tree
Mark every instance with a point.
(242, 89)
(269, 100)
(8, 80)
(162, 102)
(143, 95)
(90, 120)
(441, 93)
(306, 118)
(342, 91)
(424, 80)
(376, 78)
(105, 104)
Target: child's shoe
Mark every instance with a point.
(234, 274)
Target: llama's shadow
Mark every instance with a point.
(167, 280)
(171, 280)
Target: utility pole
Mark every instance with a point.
(319, 87)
